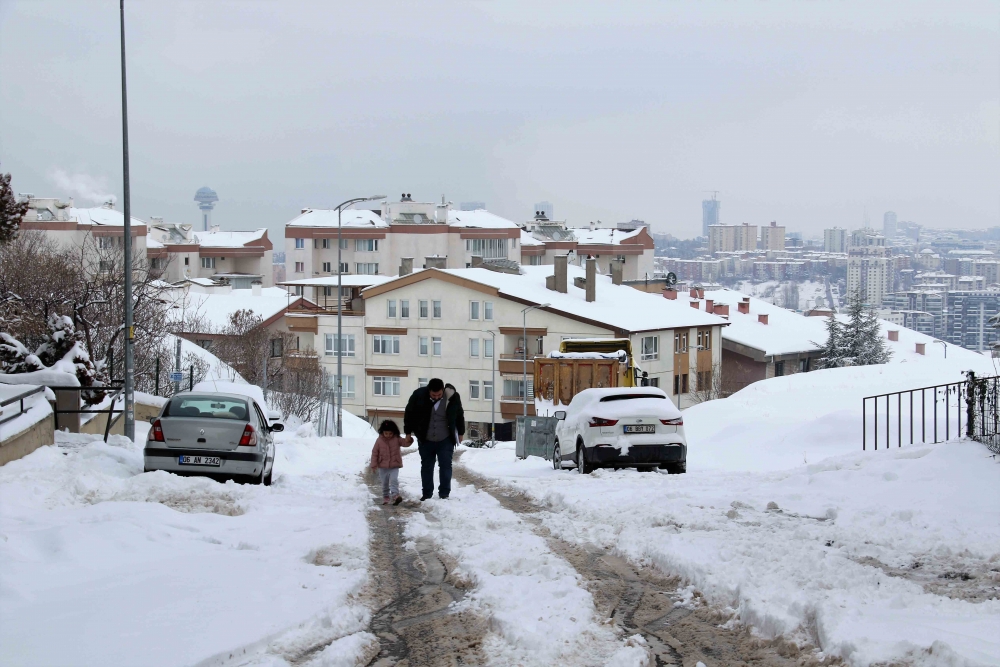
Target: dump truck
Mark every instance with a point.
(583, 363)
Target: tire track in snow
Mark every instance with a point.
(640, 600)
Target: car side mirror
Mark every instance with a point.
(153, 419)
(277, 427)
(559, 414)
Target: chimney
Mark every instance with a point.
(255, 288)
(441, 212)
(591, 280)
(435, 262)
(616, 272)
(709, 305)
(695, 304)
(722, 309)
(762, 318)
(701, 293)
(743, 307)
(894, 335)
(920, 348)
(406, 266)
(477, 262)
(670, 294)
(693, 293)
(560, 273)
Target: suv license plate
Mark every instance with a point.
(641, 428)
(200, 460)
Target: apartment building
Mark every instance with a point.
(733, 238)
(920, 310)
(100, 228)
(869, 270)
(460, 324)
(967, 321)
(772, 237)
(835, 240)
(628, 244)
(238, 258)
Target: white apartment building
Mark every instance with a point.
(99, 228)
(733, 238)
(239, 258)
(375, 242)
(460, 324)
(835, 240)
(772, 237)
(869, 270)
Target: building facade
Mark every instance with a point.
(835, 240)
(772, 237)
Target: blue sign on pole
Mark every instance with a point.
(176, 376)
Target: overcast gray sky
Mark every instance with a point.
(804, 113)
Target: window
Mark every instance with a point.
(385, 385)
(367, 268)
(315, 243)
(300, 243)
(488, 348)
(423, 308)
(366, 245)
(343, 244)
(347, 345)
(422, 346)
(680, 343)
(650, 347)
(385, 344)
(156, 263)
(187, 261)
(535, 260)
(106, 266)
(779, 368)
(488, 390)
(804, 365)
(681, 384)
(404, 308)
(515, 389)
(298, 290)
(347, 386)
(473, 347)
(344, 267)
(538, 346)
(704, 380)
(391, 308)
(473, 310)
(276, 347)
(684, 383)
(474, 389)
(704, 339)
(326, 244)
(208, 262)
(105, 242)
(328, 267)
(437, 310)
(654, 382)
(300, 267)
(487, 248)
(327, 291)
(422, 382)
(487, 310)
(436, 343)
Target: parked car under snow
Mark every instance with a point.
(623, 426)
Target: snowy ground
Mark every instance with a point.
(106, 565)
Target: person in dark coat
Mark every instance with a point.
(435, 416)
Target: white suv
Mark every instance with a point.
(623, 426)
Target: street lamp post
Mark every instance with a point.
(945, 347)
(340, 307)
(493, 384)
(129, 379)
(524, 352)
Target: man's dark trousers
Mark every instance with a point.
(441, 450)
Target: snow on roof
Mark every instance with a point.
(617, 306)
(603, 236)
(215, 310)
(354, 218)
(204, 282)
(480, 218)
(219, 239)
(153, 243)
(528, 239)
(105, 217)
(347, 280)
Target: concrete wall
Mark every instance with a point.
(37, 435)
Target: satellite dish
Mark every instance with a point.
(417, 218)
(556, 235)
(671, 279)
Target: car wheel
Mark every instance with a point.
(557, 457)
(581, 461)
(674, 468)
(270, 474)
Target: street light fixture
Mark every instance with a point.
(524, 351)
(493, 393)
(945, 347)
(340, 307)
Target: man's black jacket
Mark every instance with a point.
(417, 416)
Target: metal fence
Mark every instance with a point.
(934, 414)
(17, 399)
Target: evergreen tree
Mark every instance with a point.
(858, 342)
(11, 210)
(63, 347)
(833, 351)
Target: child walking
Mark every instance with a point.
(387, 459)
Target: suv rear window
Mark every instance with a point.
(626, 397)
(207, 407)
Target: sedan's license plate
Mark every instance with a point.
(640, 428)
(200, 460)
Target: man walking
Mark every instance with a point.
(434, 414)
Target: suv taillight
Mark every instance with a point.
(156, 432)
(673, 422)
(600, 421)
(249, 438)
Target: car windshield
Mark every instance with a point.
(210, 407)
(626, 397)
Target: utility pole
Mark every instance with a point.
(127, 242)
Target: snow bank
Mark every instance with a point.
(36, 408)
(104, 564)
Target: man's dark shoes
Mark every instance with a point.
(423, 498)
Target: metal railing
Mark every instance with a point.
(19, 398)
(983, 416)
(110, 410)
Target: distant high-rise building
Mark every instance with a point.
(546, 208)
(835, 240)
(709, 214)
(772, 237)
(472, 206)
(869, 270)
(889, 226)
(733, 238)
(206, 199)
